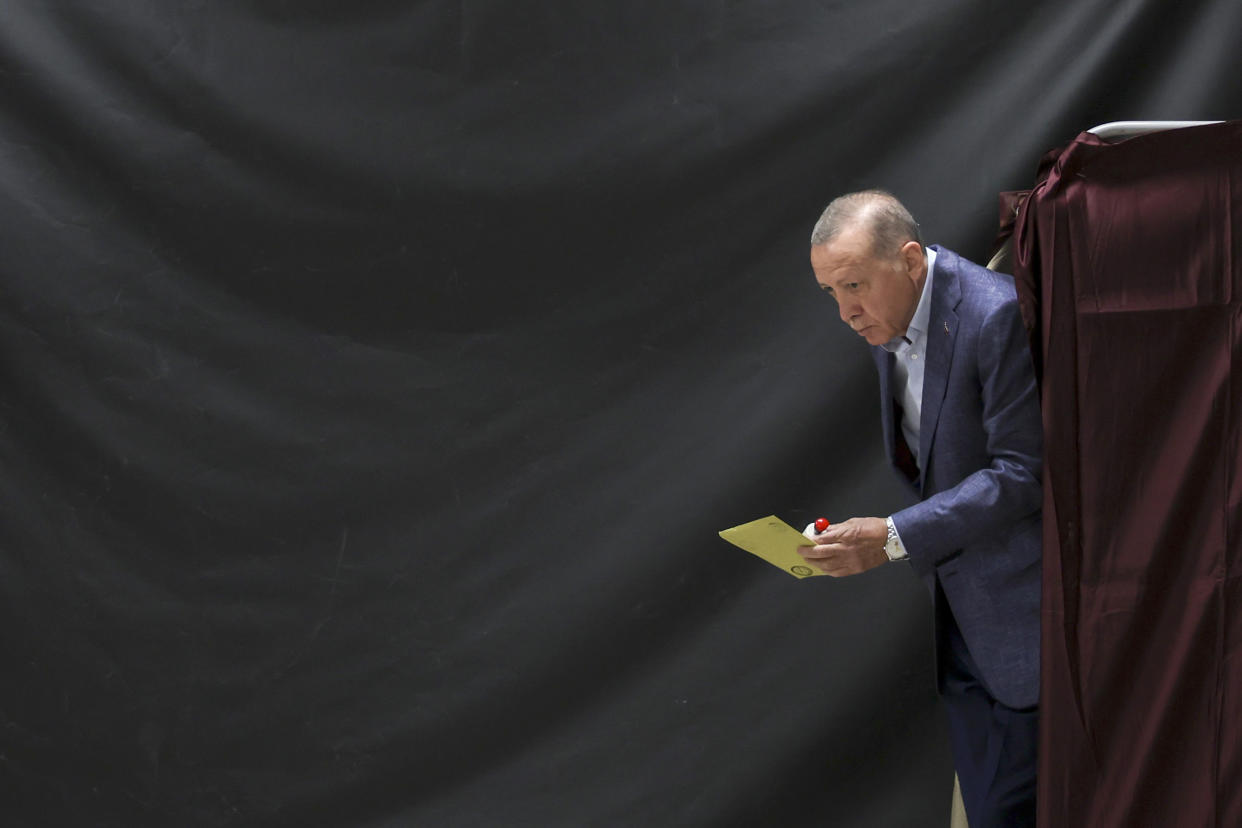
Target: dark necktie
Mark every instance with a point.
(901, 450)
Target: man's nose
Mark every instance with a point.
(848, 311)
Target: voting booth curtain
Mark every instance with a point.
(1129, 261)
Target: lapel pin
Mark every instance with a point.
(946, 326)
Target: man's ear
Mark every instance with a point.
(915, 260)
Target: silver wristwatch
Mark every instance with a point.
(893, 546)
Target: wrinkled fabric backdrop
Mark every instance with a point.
(376, 377)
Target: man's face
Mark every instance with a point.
(876, 296)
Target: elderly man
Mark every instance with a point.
(961, 424)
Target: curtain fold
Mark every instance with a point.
(1127, 258)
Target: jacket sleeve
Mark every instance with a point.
(988, 502)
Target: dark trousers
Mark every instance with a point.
(994, 746)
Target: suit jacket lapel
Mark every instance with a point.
(941, 334)
(884, 362)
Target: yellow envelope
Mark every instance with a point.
(776, 542)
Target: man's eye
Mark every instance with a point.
(852, 285)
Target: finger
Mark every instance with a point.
(824, 548)
(832, 534)
(815, 552)
(830, 567)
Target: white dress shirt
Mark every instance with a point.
(911, 354)
(910, 357)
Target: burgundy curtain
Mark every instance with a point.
(1128, 258)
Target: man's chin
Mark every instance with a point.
(873, 335)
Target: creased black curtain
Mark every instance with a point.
(1129, 255)
(374, 378)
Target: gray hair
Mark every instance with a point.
(887, 219)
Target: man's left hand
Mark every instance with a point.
(847, 548)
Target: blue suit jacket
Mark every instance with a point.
(977, 527)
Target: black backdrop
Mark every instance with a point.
(376, 377)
